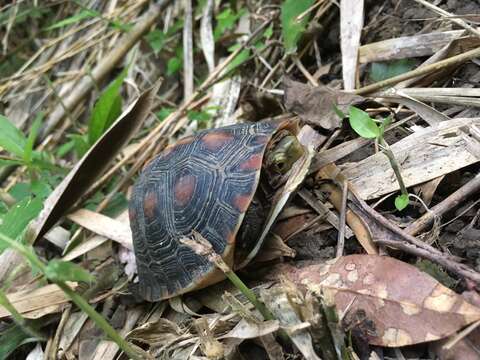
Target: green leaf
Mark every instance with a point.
(156, 38)
(81, 144)
(387, 121)
(238, 60)
(386, 70)
(363, 124)
(107, 108)
(436, 272)
(84, 14)
(268, 33)
(65, 148)
(339, 112)
(292, 29)
(401, 202)
(11, 139)
(18, 216)
(163, 113)
(11, 339)
(174, 65)
(200, 116)
(225, 21)
(58, 270)
(27, 154)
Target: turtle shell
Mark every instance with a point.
(204, 183)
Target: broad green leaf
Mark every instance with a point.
(58, 270)
(291, 28)
(18, 216)
(401, 202)
(107, 108)
(22, 190)
(11, 139)
(363, 124)
(386, 70)
(27, 154)
(12, 338)
(84, 14)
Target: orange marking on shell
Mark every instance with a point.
(254, 162)
(242, 202)
(215, 140)
(149, 204)
(131, 214)
(184, 188)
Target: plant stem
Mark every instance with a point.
(34, 261)
(394, 164)
(245, 290)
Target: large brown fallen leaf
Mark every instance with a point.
(86, 171)
(404, 305)
(316, 105)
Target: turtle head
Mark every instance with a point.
(284, 151)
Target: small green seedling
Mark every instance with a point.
(368, 128)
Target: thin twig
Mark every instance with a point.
(341, 226)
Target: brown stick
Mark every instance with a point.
(448, 204)
(417, 247)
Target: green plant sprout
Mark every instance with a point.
(59, 272)
(368, 128)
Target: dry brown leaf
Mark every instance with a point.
(278, 301)
(315, 106)
(404, 305)
(103, 225)
(92, 164)
(157, 333)
(249, 330)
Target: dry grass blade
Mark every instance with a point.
(351, 24)
(407, 47)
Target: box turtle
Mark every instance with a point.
(204, 183)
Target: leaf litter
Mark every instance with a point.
(308, 61)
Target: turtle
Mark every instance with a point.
(207, 183)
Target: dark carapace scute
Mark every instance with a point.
(205, 183)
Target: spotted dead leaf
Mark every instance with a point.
(399, 304)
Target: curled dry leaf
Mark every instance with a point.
(85, 172)
(316, 106)
(249, 330)
(403, 305)
(278, 301)
(157, 333)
